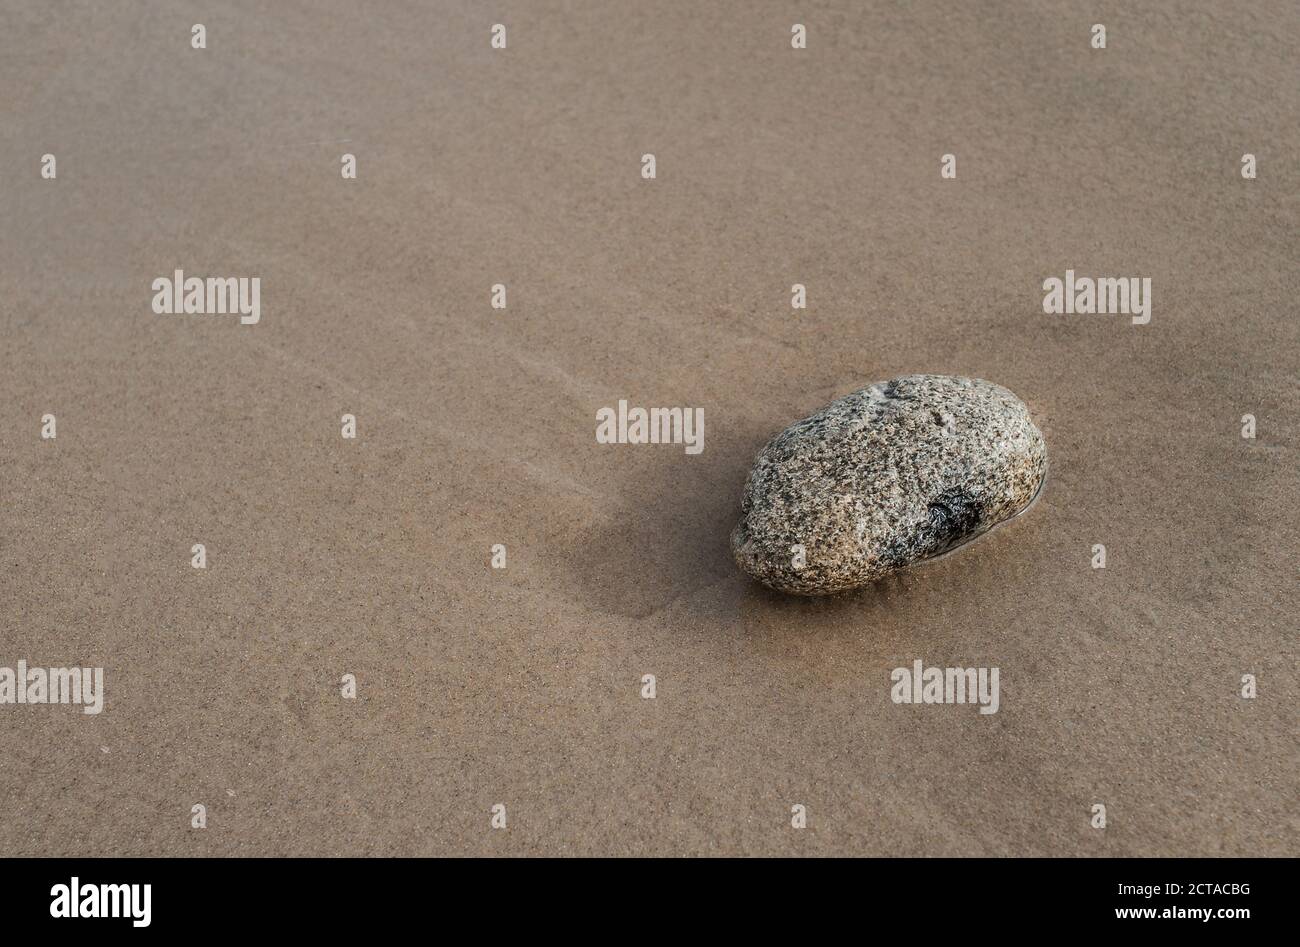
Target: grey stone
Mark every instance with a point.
(894, 474)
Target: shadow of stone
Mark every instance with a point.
(669, 535)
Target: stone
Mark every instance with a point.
(892, 475)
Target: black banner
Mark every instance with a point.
(940, 897)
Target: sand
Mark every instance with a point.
(522, 686)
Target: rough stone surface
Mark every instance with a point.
(894, 474)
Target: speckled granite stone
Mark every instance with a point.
(889, 476)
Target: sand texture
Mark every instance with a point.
(523, 686)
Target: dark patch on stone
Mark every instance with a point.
(954, 519)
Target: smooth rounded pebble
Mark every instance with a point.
(894, 474)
